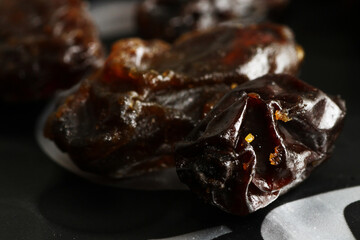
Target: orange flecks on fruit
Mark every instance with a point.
(246, 166)
(282, 116)
(274, 157)
(234, 85)
(254, 95)
(249, 138)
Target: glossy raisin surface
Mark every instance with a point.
(262, 138)
(168, 19)
(45, 46)
(150, 95)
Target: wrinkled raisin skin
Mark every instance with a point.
(239, 176)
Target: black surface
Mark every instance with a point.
(352, 216)
(41, 200)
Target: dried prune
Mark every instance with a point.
(45, 46)
(168, 19)
(126, 119)
(261, 139)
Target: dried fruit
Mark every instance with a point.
(222, 167)
(150, 95)
(168, 19)
(45, 46)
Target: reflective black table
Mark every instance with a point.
(41, 200)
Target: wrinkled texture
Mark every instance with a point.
(126, 119)
(260, 140)
(45, 46)
(168, 19)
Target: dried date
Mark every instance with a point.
(260, 140)
(45, 46)
(150, 95)
(168, 19)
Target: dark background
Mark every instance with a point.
(41, 200)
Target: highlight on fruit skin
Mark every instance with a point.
(126, 119)
(169, 19)
(226, 167)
